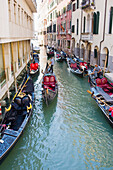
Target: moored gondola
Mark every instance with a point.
(16, 117)
(102, 92)
(34, 66)
(49, 87)
(76, 67)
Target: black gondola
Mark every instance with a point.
(77, 67)
(102, 92)
(49, 87)
(34, 66)
(16, 117)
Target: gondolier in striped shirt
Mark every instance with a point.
(52, 64)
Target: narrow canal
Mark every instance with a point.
(70, 134)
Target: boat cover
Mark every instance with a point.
(105, 95)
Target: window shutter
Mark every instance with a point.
(94, 26)
(95, 53)
(84, 24)
(97, 21)
(73, 28)
(110, 22)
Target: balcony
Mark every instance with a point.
(88, 5)
(87, 37)
(32, 5)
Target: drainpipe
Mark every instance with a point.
(80, 30)
(103, 29)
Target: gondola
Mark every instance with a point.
(102, 92)
(58, 56)
(49, 87)
(16, 117)
(76, 67)
(34, 66)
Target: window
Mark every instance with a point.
(73, 28)
(96, 22)
(95, 53)
(15, 12)
(54, 28)
(84, 24)
(58, 42)
(22, 16)
(18, 15)
(77, 4)
(9, 8)
(74, 7)
(77, 25)
(70, 25)
(111, 20)
(68, 44)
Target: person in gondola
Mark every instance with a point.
(52, 64)
(96, 71)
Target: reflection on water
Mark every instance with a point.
(71, 133)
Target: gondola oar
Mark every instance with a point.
(92, 94)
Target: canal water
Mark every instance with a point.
(70, 134)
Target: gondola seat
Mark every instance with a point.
(52, 81)
(25, 102)
(46, 80)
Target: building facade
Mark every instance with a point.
(42, 22)
(16, 31)
(52, 23)
(64, 17)
(92, 31)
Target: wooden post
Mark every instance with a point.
(105, 65)
(6, 72)
(14, 67)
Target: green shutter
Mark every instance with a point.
(73, 28)
(95, 53)
(94, 26)
(84, 24)
(97, 21)
(110, 22)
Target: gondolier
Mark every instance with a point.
(52, 64)
(97, 71)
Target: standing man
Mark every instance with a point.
(96, 71)
(52, 64)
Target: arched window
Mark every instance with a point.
(96, 22)
(84, 24)
(110, 21)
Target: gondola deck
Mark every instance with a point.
(16, 118)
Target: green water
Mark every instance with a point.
(70, 134)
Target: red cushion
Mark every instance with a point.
(73, 65)
(98, 81)
(104, 80)
(36, 65)
(32, 66)
(52, 81)
(46, 80)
